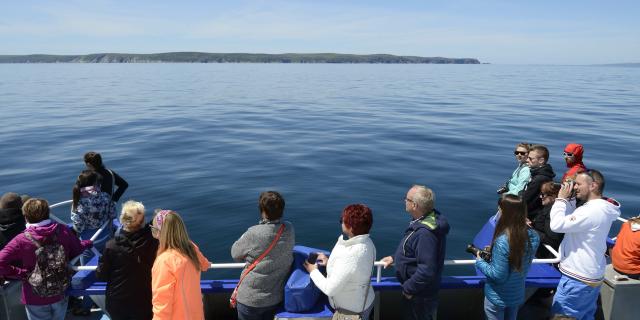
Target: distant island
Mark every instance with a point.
(630, 64)
(203, 57)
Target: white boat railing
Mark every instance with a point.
(623, 220)
(378, 264)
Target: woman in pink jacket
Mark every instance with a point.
(175, 276)
(18, 259)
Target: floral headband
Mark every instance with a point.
(159, 219)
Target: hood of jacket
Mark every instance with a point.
(432, 221)
(577, 150)
(10, 217)
(611, 208)
(133, 240)
(43, 233)
(543, 170)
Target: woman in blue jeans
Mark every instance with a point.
(512, 250)
(90, 210)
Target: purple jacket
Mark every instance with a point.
(18, 258)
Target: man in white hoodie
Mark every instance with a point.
(582, 250)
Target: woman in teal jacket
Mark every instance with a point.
(520, 176)
(512, 250)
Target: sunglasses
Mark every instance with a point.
(567, 154)
(519, 153)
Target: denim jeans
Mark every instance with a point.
(575, 298)
(54, 311)
(419, 308)
(99, 244)
(256, 313)
(493, 312)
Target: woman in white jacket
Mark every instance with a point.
(348, 281)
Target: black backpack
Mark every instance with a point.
(51, 275)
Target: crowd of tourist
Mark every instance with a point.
(153, 269)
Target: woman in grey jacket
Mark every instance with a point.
(262, 290)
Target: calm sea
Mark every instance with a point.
(206, 139)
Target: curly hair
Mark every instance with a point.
(358, 217)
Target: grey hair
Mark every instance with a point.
(424, 198)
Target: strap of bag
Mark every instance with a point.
(113, 183)
(366, 295)
(29, 236)
(232, 300)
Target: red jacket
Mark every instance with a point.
(576, 166)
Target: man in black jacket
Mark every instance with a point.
(541, 172)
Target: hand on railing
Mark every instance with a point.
(387, 261)
(93, 239)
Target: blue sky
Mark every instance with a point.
(501, 32)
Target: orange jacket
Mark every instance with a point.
(625, 255)
(175, 285)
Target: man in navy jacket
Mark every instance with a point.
(419, 259)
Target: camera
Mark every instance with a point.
(484, 254)
(502, 190)
(312, 258)
(572, 184)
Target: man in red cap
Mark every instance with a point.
(573, 156)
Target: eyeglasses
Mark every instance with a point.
(407, 199)
(341, 222)
(519, 153)
(590, 174)
(567, 154)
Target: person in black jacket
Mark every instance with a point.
(126, 266)
(93, 161)
(541, 172)
(548, 194)
(12, 221)
(419, 258)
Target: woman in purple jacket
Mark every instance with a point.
(18, 258)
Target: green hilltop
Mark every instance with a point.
(203, 57)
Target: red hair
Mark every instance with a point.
(357, 217)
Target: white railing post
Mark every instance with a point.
(93, 238)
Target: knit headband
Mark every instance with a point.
(160, 218)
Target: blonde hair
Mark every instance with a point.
(173, 235)
(127, 218)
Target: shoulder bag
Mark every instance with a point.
(232, 301)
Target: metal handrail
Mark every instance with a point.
(378, 264)
(93, 238)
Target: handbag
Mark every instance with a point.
(233, 301)
(342, 314)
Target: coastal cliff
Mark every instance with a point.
(203, 57)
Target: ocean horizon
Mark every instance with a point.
(206, 139)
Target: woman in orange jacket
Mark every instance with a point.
(175, 276)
